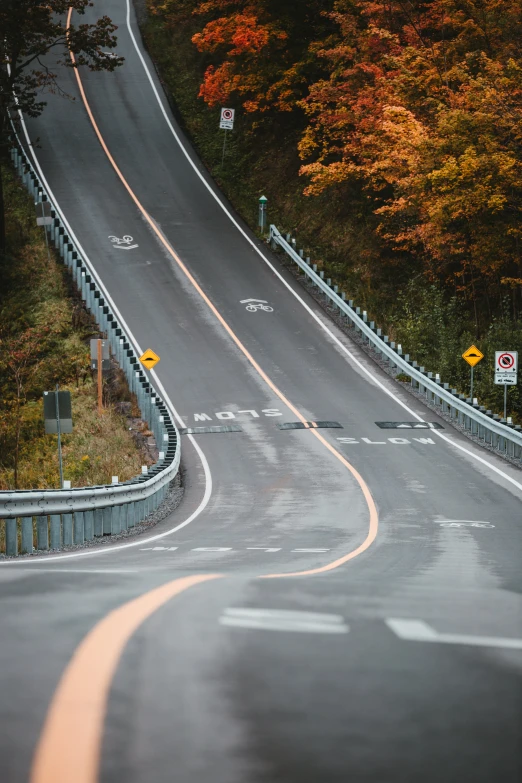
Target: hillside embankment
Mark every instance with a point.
(44, 340)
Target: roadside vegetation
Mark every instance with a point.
(386, 137)
(44, 340)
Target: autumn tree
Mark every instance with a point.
(423, 108)
(259, 52)
(34, 41)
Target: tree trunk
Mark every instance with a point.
(17, 436)
(2, 218)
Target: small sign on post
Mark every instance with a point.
(472, 356)
(43, 213)
(57, 412)
(262, 213)
(506, 368)
(226, 123)
(149, 359)
(106, 361)
(58, 419)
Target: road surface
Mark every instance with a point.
(387, 644)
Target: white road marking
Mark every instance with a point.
(266, 548)
(257, 304)
(462, 523)
(124, 243)
(293, 292)
(158, 548)
(269, 412)
(80, 571)
(310, 550)
(283, 620)
(419, 631)
(394, 441)
(212, 549)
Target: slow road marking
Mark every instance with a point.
(419, 631)
(283, 620)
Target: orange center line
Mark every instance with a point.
(69, 747)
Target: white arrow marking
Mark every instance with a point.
(419, 631)
(284, 620)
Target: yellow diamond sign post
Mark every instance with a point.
(149, 359)
(472, 356)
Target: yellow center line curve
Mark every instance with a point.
(373, 514)
(69, 747)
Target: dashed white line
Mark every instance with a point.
(283, 620)
(419, 631)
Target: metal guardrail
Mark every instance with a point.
(65, 517)
(487, 426)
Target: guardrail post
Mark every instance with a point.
(42, 533)
(124, 518)
(67, 528)
(98, 522)
(88, 525)
(115, 520)
(27, 535)
(107, 521)
(56, 531)
(11, 537)
(79, 522)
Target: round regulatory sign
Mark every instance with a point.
(506, 361)
(227, 114)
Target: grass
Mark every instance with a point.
(44, 340)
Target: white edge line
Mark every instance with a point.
(206, 468)
(294, 293)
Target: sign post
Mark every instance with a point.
(262, 213)
(58, 419)
(472, 356)
(226, 123)
(100, 361)
(506, 368)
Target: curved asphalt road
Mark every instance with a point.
(195, 697)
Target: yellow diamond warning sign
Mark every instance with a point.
(149, 358)
(473, 355)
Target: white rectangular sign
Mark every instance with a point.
(227, 119)
(506, 366)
